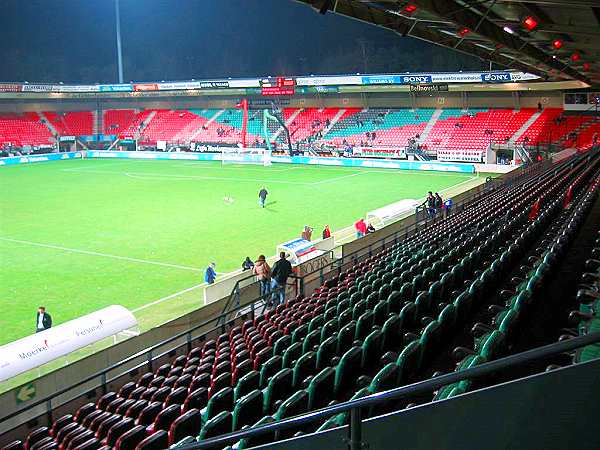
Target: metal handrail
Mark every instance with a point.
(394, 394)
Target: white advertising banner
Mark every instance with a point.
(33, 351)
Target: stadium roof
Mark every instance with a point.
(494, 30)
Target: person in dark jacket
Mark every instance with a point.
(43, 320)
(282, 269)
(262, 197)
(439, 203)
(247, 264)
(326, 232)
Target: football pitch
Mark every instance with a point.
(79, 235)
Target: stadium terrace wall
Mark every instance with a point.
(329, 161)
(463, 100)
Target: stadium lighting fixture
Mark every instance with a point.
(529, 23)
(575, 57)
(557, 44)
(410, 8)
(508, 30)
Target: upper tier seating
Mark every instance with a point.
(23, 129)
(391, 319)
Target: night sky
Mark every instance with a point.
(73, 41)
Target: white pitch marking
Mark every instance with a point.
(168, 297)
(329, 180)
(105, 255)
(149, 175)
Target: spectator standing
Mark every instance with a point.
(247, 264)
(439, 203)
(263, 274)
(430, 202)
(282, 269)
(210, 274)
(262, 197)
(326, 232)
(307, 233)
(361, 228)
(448, 207)
(43, 320)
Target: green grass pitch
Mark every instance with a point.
(79, 235)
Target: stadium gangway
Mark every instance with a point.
(354, 406)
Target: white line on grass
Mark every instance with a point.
(105, 255)
(150, 176)
(329, 180)
(168, 297)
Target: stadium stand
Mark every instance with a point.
(79, 123)
(450, 130)
(459, 292)
(23, 129)
(116, 121)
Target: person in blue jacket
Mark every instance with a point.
(210, 274)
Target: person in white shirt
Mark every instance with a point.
(43, 320)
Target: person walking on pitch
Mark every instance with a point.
(262, 197)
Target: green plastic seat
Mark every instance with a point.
(347, 369)
(358, 309)
(430, 340)
(316, 323)
(248, 409)
(409, 362)
(385, 379)
(329, 329)
(299, 334)
(217, 425)
(344, 318)
(391, 332)
(311, 341)
(220, 401)
(281, 345)
(364, 325)
(345, 337)
(493, 346)
(294, 405)
(269, 368)
(380, 313)
(327, 350)
(279, 387)
(246, 384)
(320, 388)
(305, 366)
(371, 347)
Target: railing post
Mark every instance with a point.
(252, 310)
(188, 338)
(103, 378)
(49, 412)
(355, 431)
(149, 359)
